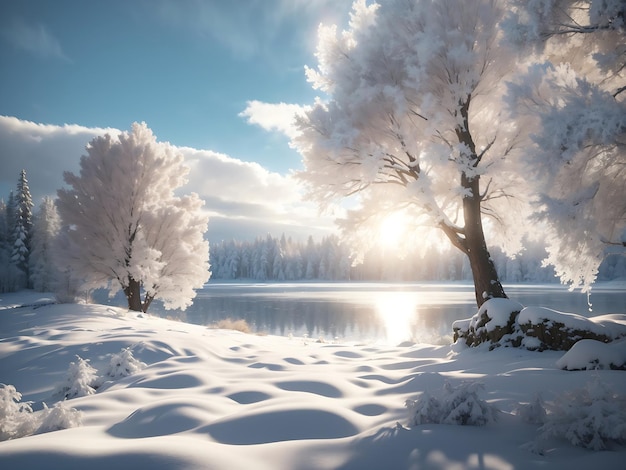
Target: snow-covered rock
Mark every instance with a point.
(494, 322)
(504, 322)
(559, 331)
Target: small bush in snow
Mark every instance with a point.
(533, 412)
(591, 417)
(16, 419)
(80, 379)
(460, 405)
(60, 416)
(123, 364)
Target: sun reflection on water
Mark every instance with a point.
(397, 312)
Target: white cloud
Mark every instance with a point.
(36, 39)
(273, 116)
(43, 150)
(251, 195)
(244, 199)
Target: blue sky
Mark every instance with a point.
(187, 68)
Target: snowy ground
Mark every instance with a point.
(218, 399)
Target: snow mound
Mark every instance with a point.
(592, 354)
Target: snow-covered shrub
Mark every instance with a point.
(460, 405)
(425, 410)
(80, 379)
(60, 416)
(533, 412)
(591, 417)
(16, 418)
(123, 364)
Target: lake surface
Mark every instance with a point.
(373, 312)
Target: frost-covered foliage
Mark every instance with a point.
(533, 412)
(422, 97)
(18, 420)
(452, 405)
(83, 379)
(571, 98)
(578, 162)
(80, 380)
(16, 228)
(46, 225)
(592, 417)
(124, 223)
(22, 229)
(550, 25)
(123, 364)
(413, 125)
(60, 416)
(7, 270)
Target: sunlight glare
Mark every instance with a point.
(392, 229)
(397, 310)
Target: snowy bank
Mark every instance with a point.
(168, 395)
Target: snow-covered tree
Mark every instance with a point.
(126, 225)
(80, 379)
(4, 249)
(572, 102)
(412, 125)
(22, 229)
(11, 278)
(46, 225)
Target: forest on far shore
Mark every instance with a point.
(283, 259)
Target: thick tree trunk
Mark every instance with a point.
(486, 282)
(133, 295)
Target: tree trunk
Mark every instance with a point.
(146, 303)
(133, 295)
(486, 282)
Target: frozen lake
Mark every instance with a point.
(380, 312)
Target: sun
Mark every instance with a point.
(391, 230)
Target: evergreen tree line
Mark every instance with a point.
(283, 259)
(26, 241)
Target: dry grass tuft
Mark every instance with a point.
(230, 324)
